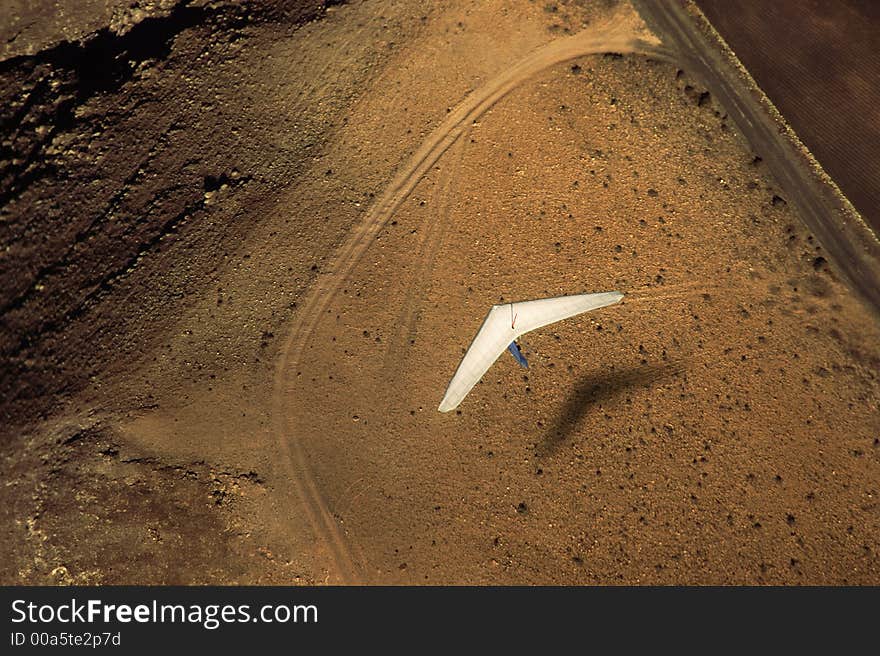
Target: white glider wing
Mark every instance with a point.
(536, 314)
(505, 323)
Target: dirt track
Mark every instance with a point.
(395, 514)
(404, 167)
(619, 34)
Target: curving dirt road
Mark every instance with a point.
(622, 33)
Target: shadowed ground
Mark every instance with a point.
(592, 391)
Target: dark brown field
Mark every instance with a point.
(819, 62)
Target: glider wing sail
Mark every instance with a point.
(491, 341)
(505, 323)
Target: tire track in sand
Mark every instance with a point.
(623, 33)
(433, 233)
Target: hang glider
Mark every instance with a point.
(503, 325)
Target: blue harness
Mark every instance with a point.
(516, 353)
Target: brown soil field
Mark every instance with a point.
(241, 266)
(819, 64)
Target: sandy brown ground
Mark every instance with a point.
(719, 426)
